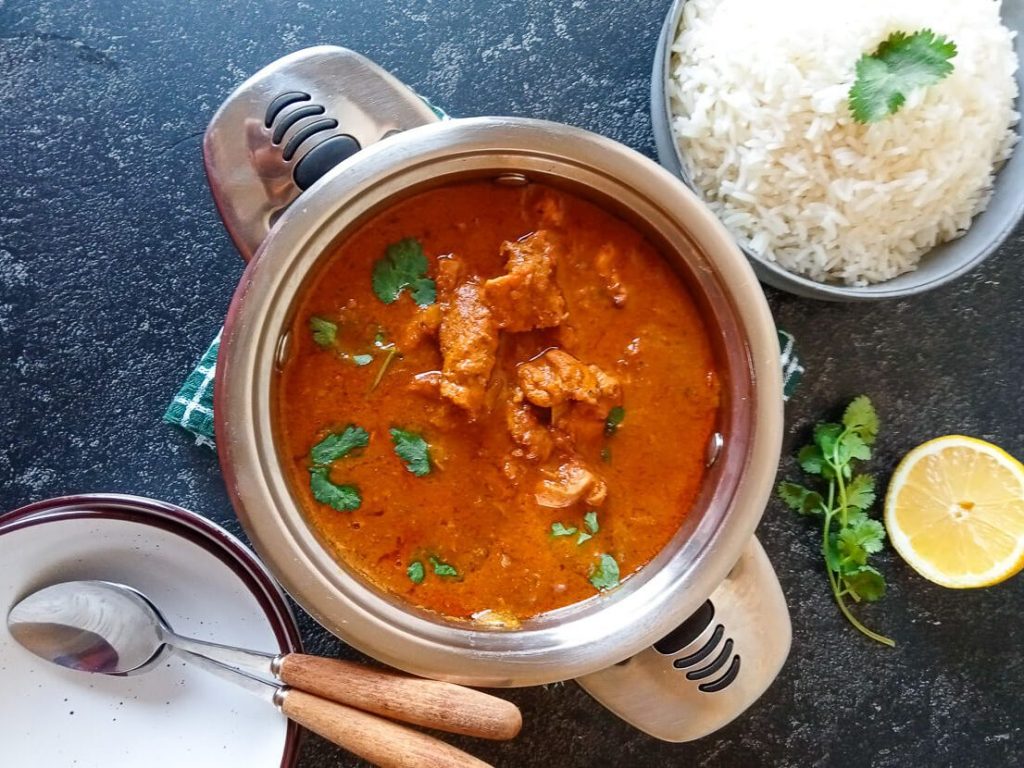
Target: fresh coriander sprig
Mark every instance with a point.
(901, 63)
(849, 536)
(404, 267)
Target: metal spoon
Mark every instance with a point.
(98, 626)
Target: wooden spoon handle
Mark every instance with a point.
(375, 739)
(430, 703)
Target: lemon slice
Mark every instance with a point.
(955, 512)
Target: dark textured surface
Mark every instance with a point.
(115, 273)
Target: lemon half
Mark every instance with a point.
(955, 512)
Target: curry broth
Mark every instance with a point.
(477, 509)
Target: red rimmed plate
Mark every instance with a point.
(205, 582)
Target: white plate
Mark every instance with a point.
(206, 584)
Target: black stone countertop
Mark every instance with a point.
(115, 273)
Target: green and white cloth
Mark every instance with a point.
(192, 408)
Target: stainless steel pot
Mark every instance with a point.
(282, 161)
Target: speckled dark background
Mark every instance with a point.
(115, 273)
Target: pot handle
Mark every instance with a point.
(710, 668)
(293, 122)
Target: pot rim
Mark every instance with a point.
(565, 643)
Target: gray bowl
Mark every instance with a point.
(942, 264)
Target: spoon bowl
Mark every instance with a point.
(90, 626)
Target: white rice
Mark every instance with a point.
(759, 97)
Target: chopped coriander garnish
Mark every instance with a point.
(606, 454)
(901, 64)
(362, 360)
(413, 450)
(849, 537)
(343, 498)
(404, 267)
(415, 572)
(615, 417)
(590, 521)
(605, 575)
(557, 529)
(441, 568)
(324, 331)
(583, 538)
(339, 445)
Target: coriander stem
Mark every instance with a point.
(839, 477)
(853, 620)
(392, 351)
(834, 581)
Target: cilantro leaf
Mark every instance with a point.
(606, 454)
(590, 521)
(416, 572)
(583, 538)
(860, 417)
(413, 450)
(605, 575)
(325, 333)
(902, 63)
(557, 529)
(423, 291)
(338, 445)
(362, 360)
(403, 266)
(343, 498)
(441, 568)
(860, 493)
(865, 583)
(811, 460)
(851, 446)
(615, 417)
(803, 500)
(826, 436)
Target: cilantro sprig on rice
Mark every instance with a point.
(902, 63)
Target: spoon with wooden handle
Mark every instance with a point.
(373, 738)
(103, 627)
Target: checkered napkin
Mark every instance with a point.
(192, 407)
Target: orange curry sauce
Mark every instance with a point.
(484, 508)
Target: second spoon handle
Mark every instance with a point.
(429, 703)
(379, 741)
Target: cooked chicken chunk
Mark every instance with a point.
(527, 296)
(557, 377)
(427, 383)
(606, 265)
(570, 482)
(533, 437)
(468, 337)
(423, 326)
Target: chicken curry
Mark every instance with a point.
(497, 401)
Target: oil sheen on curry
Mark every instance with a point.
(497, 401)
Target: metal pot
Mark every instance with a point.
(282, 160)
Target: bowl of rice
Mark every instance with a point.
(751, 107)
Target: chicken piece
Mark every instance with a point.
(468, 337)
(568, 484)
(557, 377)
(526, 428)
(552, 210)
(527, 296)
(427, 383)
(424, 325)
(606, 265)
